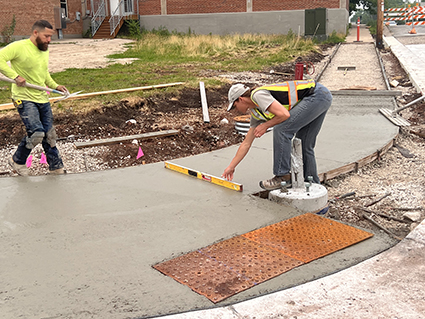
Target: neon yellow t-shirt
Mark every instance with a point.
(32, 64)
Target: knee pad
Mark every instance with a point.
(35, 139)
(51, 137)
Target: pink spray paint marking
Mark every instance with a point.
(140, 153)
(43, 159)
(29, 161)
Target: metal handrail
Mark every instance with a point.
(120, 13)
(98, 18)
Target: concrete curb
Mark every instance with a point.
(410, 61)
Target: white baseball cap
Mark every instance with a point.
(235, 93)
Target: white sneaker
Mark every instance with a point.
(19, 169)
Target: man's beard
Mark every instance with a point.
(40, 45)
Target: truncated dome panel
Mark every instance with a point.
(236, 264)
(308, 237)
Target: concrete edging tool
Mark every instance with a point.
(66, 95)
(393, 115)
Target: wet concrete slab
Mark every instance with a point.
(83, 245)
(86, 243)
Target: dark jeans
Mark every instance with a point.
(37, 117)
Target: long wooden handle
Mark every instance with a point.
(33, 86)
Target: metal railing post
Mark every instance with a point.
(98, 17)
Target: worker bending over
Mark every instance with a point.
(292, 108)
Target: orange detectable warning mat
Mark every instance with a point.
(236, 264)
(308, 237)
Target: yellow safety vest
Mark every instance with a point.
(286, 93)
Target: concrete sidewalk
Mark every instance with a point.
(412, 60)
(83, 245)
(388, 285)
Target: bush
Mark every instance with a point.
(335, 38)
(372, 28)
(134, 28)
(8, 31)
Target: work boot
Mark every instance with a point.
(274, 183)
(18, 169)
(59, 171)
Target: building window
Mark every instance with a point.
(64, 5)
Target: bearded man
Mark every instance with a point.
(29, 60)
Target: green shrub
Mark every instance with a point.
(8, 31)
(335, 38)
(134, 28)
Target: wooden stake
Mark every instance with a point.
(116, 140)
(384, 215)
(204, 102)
(381, 227)
(378, 200)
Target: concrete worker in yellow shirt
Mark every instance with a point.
(29, 60)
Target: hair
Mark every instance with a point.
(41, 25)
(248, 93)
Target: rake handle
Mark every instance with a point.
(408, 104)
(33, 86)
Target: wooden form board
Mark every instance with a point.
(353, 167)
(205, 177)
(116, 140)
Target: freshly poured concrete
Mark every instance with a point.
(82, 245)
(85, 243)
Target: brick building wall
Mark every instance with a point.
(153, 7)
(204, 6)
(276, 5)
(27, 12)
(73, 26)
(150, 7)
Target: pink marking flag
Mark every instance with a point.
(43, 159)
(29, 161)
(140, 153)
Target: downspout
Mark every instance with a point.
(84, 8)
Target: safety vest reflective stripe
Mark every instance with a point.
(290, 88)
(292, 94)
(259, 115)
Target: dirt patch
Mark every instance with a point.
(136, 116)
(85, 53)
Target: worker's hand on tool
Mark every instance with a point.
(63, 89)
(20, 81)
(228, 173)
